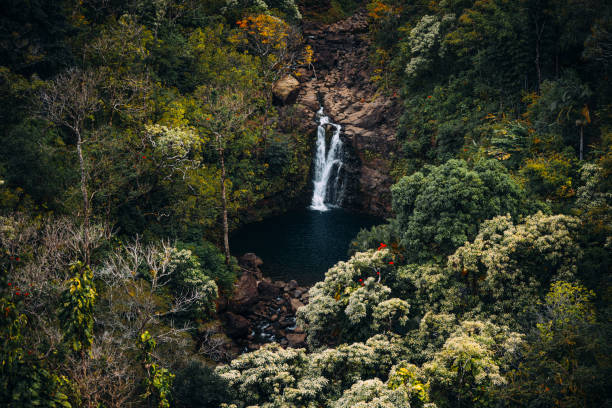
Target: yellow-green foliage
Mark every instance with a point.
(549, 177)
(77, 309)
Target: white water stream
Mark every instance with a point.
(328, 186)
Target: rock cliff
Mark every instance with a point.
(341, 82)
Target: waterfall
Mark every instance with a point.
(328, 183)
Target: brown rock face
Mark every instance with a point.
(296, 340)
(286, 89)
(236, 325)
(368, 118)
(251, 262)
(269, 290)
(245, 290)
(295, 304)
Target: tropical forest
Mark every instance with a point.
(305, 203)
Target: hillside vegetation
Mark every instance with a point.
(136, 135)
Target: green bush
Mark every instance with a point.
(198, 386)
(440, 208)
(212, 263)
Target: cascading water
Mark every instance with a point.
(328, 183)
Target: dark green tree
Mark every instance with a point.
(440, 207)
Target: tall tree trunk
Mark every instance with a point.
(85, 197)
(537, 64)
(539, 31)
(581, 141)
(224, 202)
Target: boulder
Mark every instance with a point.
(251, 262)
(292, 284)
(295, 305)
(245, 292)
(285, 323)
(268, 290)
(285, 90)
(296, 340)
(236, 325)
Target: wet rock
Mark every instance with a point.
(310, 100)
(251, 262)
(245, 293)
(295, 305)
(286, 323)
(292, 284)
(296, 340)
(235, 325)
(268, 289)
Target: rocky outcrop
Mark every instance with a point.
(285, 90)
(263, 311)
(236, 325)
(269, 290)
(245, 290)
(341, 82)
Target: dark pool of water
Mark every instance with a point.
(301, 245)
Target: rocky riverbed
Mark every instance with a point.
(261, 310)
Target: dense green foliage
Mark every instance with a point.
(439, 208)
(130, 129)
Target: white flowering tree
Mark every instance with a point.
(507, 266)
(270, 376)
(373, 394)
(434, 329)
(468, 367)
(277, 377)
(354, 362)
(426, 45)
(353, 303)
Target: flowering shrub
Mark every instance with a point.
(434, 329)
(277, 377)
(508, 265)
(467, 367)
(427, 285)
(373, 394)
(353, 301)
(188, 276)
(426, 43)
(265, 374)
(354, 362)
